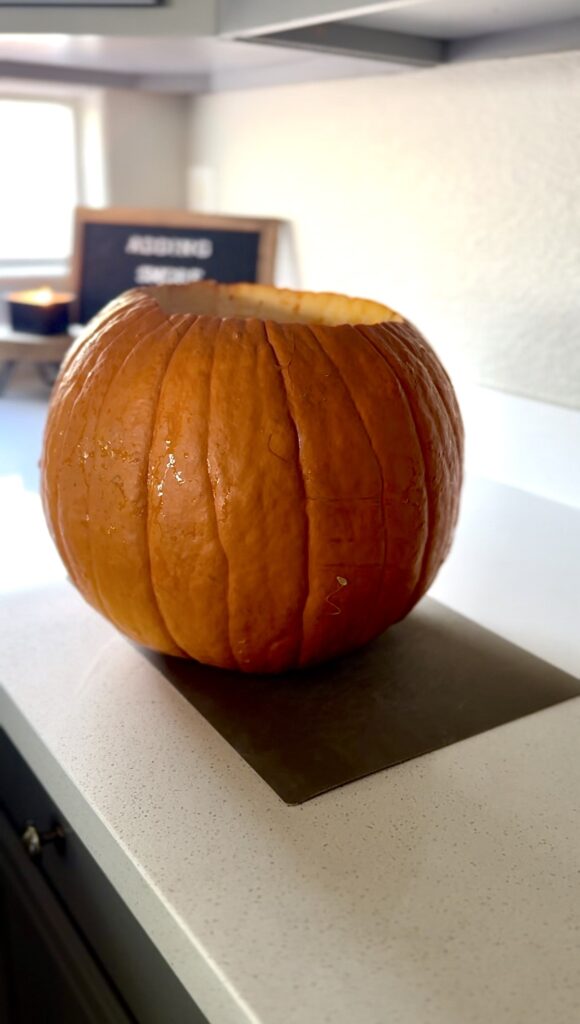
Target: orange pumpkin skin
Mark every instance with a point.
(251, 491)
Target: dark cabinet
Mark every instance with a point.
(47, 972)
(71, 952)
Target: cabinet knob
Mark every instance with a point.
(34, 840)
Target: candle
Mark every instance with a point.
(40, 311)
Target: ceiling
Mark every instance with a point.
(462, 19)
(404, 33)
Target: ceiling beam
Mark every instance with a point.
(15, 69)
(347, 40)
(252, 18)
(67, 75)
(366, 43)
(558, 37)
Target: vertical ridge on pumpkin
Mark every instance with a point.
(283, 368)
(431, 420)
(320, 335)
(98, 443)
(78, 443)
(382, 345)
(342, 486)
(432, 410)
(187, 564)
(118, 488)
(295, 564)
(420, 347)
(211, 482)
(66, 390)
(175, 648)
(410, 337)
(252, 458)
(386, 416)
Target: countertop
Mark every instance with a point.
(444, 890)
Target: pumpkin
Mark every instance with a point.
(251, 477)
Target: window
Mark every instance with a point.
(38, 180)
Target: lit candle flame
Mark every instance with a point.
(43, 296)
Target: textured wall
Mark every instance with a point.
(453, 194)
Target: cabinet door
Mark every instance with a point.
(47, 972)
(67, 880)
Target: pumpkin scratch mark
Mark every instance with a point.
(286, 366)
(342, 582)
(277, 454)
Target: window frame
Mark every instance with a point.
(18, 268)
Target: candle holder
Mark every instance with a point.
(40, 311)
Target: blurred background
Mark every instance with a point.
(422, 153)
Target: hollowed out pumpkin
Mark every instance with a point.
(255, 478)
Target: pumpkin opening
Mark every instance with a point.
(267, 303)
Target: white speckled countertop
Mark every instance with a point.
(443, 891)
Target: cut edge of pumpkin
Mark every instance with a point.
(267, 303)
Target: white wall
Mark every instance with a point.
(452, 194)
(145, 148)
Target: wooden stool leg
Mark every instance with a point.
(6, 370)
(48, 372)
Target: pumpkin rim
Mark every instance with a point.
(267, 303)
